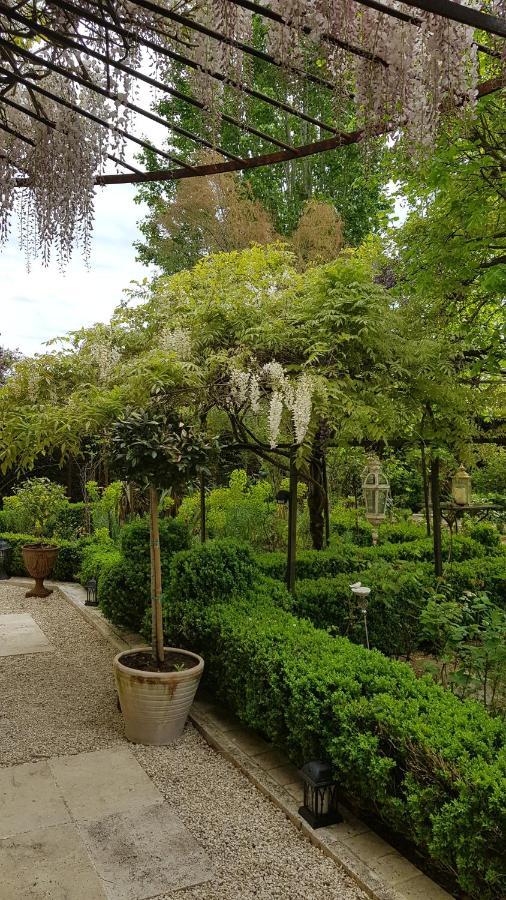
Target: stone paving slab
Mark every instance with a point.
(20, 634)
(91, 827)
(141, 853)
(98, 784)
(50, 863)
(29, 799)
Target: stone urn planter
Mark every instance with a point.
(39, 560)
(155, 704)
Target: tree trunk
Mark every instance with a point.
(292, 526)
(203, 530)
(317, 496)
(436, 515)
(327, 504)
(426, 498)
(156, 578)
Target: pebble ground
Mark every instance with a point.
(64, 703)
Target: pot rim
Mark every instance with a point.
(40, 546)
(160, 676)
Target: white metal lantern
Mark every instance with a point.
(461, 487)
(376, 491)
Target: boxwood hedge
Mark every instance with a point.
(430, 765)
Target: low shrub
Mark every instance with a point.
(97, 557)
(397, 598)
(350, 526)
(485, 533)
(70, 522)
(400, 533)
(68, 562)
(312, 563)
(124, 583)
(431, 766)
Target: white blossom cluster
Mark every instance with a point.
(295, 396)
(177, 340)
(105, 356)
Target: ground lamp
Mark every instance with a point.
(91, 592)
(5, 551)
(376, 490)
(320, 795)
(361, 592)
(461, 487)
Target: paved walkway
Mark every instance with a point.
(87, 816)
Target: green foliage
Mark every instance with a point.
(35, 507)
(432, 766)
(152, 446)
(485, 533)
(212, 572)
(398, 594)
(67, 565)
(469, 638)
(241, 511)
(98, 555)
(400, 533)
(124, 574)
(311, 563)
(71, 521)
(351, 526)
(104, 506)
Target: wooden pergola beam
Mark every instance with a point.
(255, 162)
(456, 12)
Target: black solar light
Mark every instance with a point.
(91, 592)
(320, 795)
(5, 553)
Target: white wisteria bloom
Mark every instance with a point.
(178, 340)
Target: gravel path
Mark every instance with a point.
(64, 702)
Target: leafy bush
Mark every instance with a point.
(351, 526)
(68, 562)
(70, 522)
(124, 585)
(241, 511)
(400, 533)
(98, 555)
(485, 533)
(312, 563)
(485, 574)
(397, 598)
(432, 766)
(35, 507)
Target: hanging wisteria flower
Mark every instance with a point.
(178, 340)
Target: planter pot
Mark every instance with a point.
(39, 560)
(155, 705)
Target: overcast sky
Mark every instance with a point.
(40, 304)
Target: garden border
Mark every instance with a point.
(225, 733)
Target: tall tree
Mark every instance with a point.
(350, 179)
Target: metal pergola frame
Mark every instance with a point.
(14, 53)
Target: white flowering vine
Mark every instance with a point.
(68, 76)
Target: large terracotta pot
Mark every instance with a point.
(39, 560)
(155, 705)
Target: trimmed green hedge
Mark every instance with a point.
(431, 766)
(124, 583)
(397, 598)
(68, 562)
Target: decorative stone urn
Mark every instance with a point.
(39, 560)
(155, 705)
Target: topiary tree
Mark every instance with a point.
(155, 449)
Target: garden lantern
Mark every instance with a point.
(5, 552)
(461, 487)
(361, 592)
(91, 592)
(376, 491)
(320, 795)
